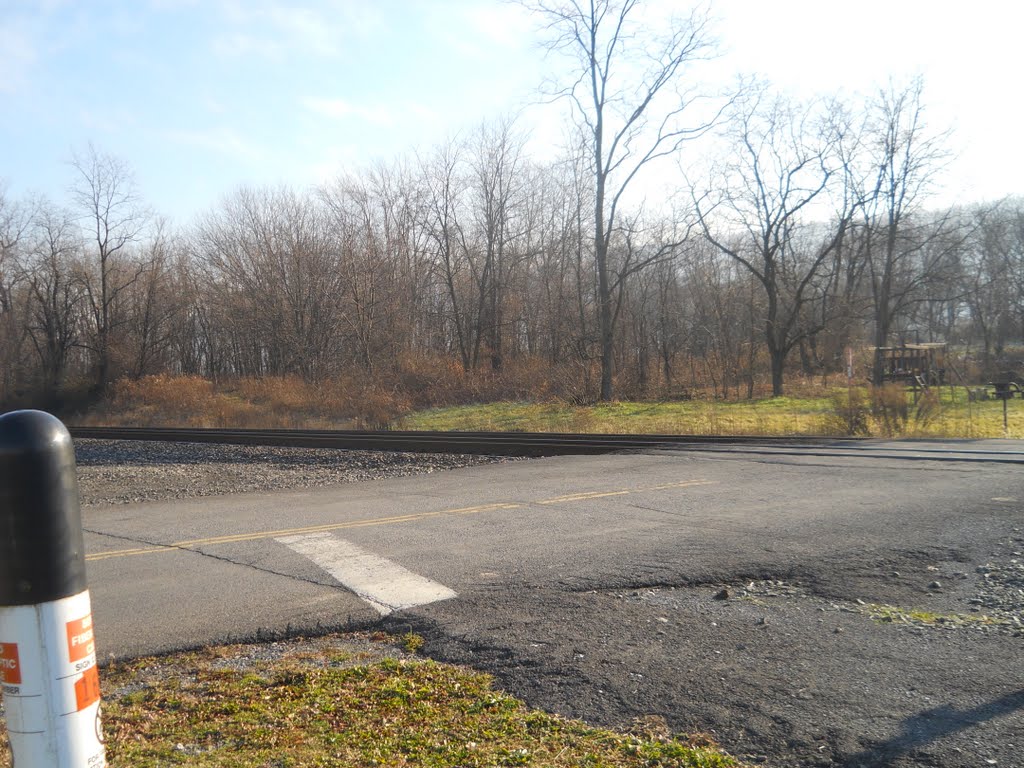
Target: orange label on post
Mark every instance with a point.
(10, 666)
(80, 642)
(87, 690)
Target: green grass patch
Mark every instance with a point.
(318, 706)
(761, 417)
(948, 415)
(891, 613)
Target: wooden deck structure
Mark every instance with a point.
(916, 365)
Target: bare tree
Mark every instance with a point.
(154, 303)
(629, 99)
(495, 170)
(903, 157)
(106, 197)
(1017, 263)
(15, 221)
(555, 234)
(15, 218)
(444, 190)
(367, 231)
(57, 303)
(399, 201)
(781, 209)
(278, 282)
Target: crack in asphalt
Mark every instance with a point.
(684, 516)
(221, 558)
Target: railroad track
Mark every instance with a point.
(557, 444)
(502, 443)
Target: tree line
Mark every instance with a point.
(811, 231)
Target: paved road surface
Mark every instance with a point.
(587, 584)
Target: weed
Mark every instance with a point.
(890, 409)
(412, 642)
(891, 613)
(851, 412)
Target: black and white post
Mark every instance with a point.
(51, 688)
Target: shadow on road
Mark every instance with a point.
(931, 725)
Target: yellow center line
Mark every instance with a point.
(683, 484)
(624, 492)
(190, 544)
(257, 535)
(126, 552)
(583, 496)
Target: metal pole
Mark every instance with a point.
(48, 667)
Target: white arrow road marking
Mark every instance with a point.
(385, 585)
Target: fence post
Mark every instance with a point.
(48, 667)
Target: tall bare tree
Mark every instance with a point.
(15, 220)
(444, 191)
(154, 303)
(105, 195)
(57, 292)
(903, 157)
(495, 171)
(278, 280)
(781, 208)
(629, 98)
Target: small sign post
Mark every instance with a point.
(48, 669)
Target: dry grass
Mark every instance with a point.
(271, 402)
(436, 395)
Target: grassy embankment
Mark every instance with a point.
(811, 410)
(812, 415)
(324, 705)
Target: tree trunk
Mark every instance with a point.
(881, 337)
(778, 359)
(604, 292)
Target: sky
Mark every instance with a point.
(199, 97)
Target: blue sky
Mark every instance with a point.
(199, 96)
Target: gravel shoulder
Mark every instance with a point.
(129, 472)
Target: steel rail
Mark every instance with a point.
(558, 443)
(503, 443)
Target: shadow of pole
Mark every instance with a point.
(931, 725)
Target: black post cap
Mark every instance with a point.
(42, 554)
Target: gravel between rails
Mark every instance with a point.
(128, 471)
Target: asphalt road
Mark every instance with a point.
(587, 585)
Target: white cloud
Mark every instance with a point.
(172, 5)
(110, 120)
(222, 140)
(305, 29)
(214, 105)
(271, 28)
(339, 109)
(243, 44)
(505, 26)
(332, 162)
(18, 54)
